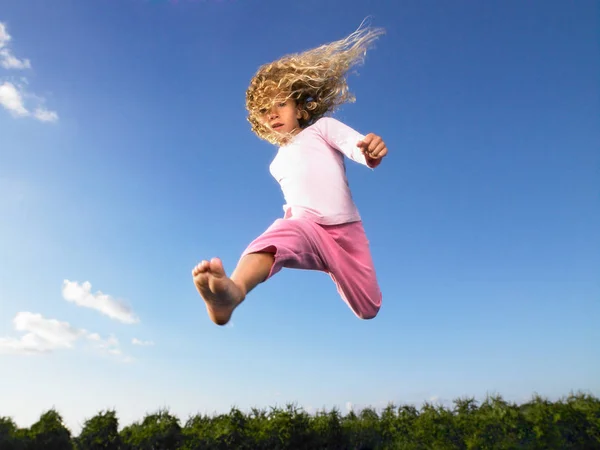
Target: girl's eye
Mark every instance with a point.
(282, 104)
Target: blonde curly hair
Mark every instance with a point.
(314, 79)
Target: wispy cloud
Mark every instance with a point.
(136, 341)
(81, 295)
(4, 36)
(110, 344)
(44, 335)
(44, 115)
(12, 95)
(7, 59)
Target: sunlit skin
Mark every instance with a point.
(283, 117)
(223, 294)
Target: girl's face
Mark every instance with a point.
(283, 117)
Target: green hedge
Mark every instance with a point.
(570, 423)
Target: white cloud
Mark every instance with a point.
(46, 335)
(42, 335)
(44, 115)
(4, 36)
(11, 96)
(28, 344)
(7, 59)
(111, 343)
(12, 100)
(136, 341)
(349, 406)
(81, 294)
(110, 346)
(10, 61)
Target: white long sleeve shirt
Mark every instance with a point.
(311, 171)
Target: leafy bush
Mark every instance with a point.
(572, 423)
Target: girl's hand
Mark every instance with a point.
(373, 146)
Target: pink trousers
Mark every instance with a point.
(342, 251)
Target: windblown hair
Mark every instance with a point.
(315, 79)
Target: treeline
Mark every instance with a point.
(570, 423)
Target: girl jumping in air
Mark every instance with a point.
(321, 229)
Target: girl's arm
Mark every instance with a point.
(367, 150)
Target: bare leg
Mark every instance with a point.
(223, 294)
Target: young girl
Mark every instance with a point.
(321, 229)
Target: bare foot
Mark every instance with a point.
(219, 292)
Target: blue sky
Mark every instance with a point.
(125, 158)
